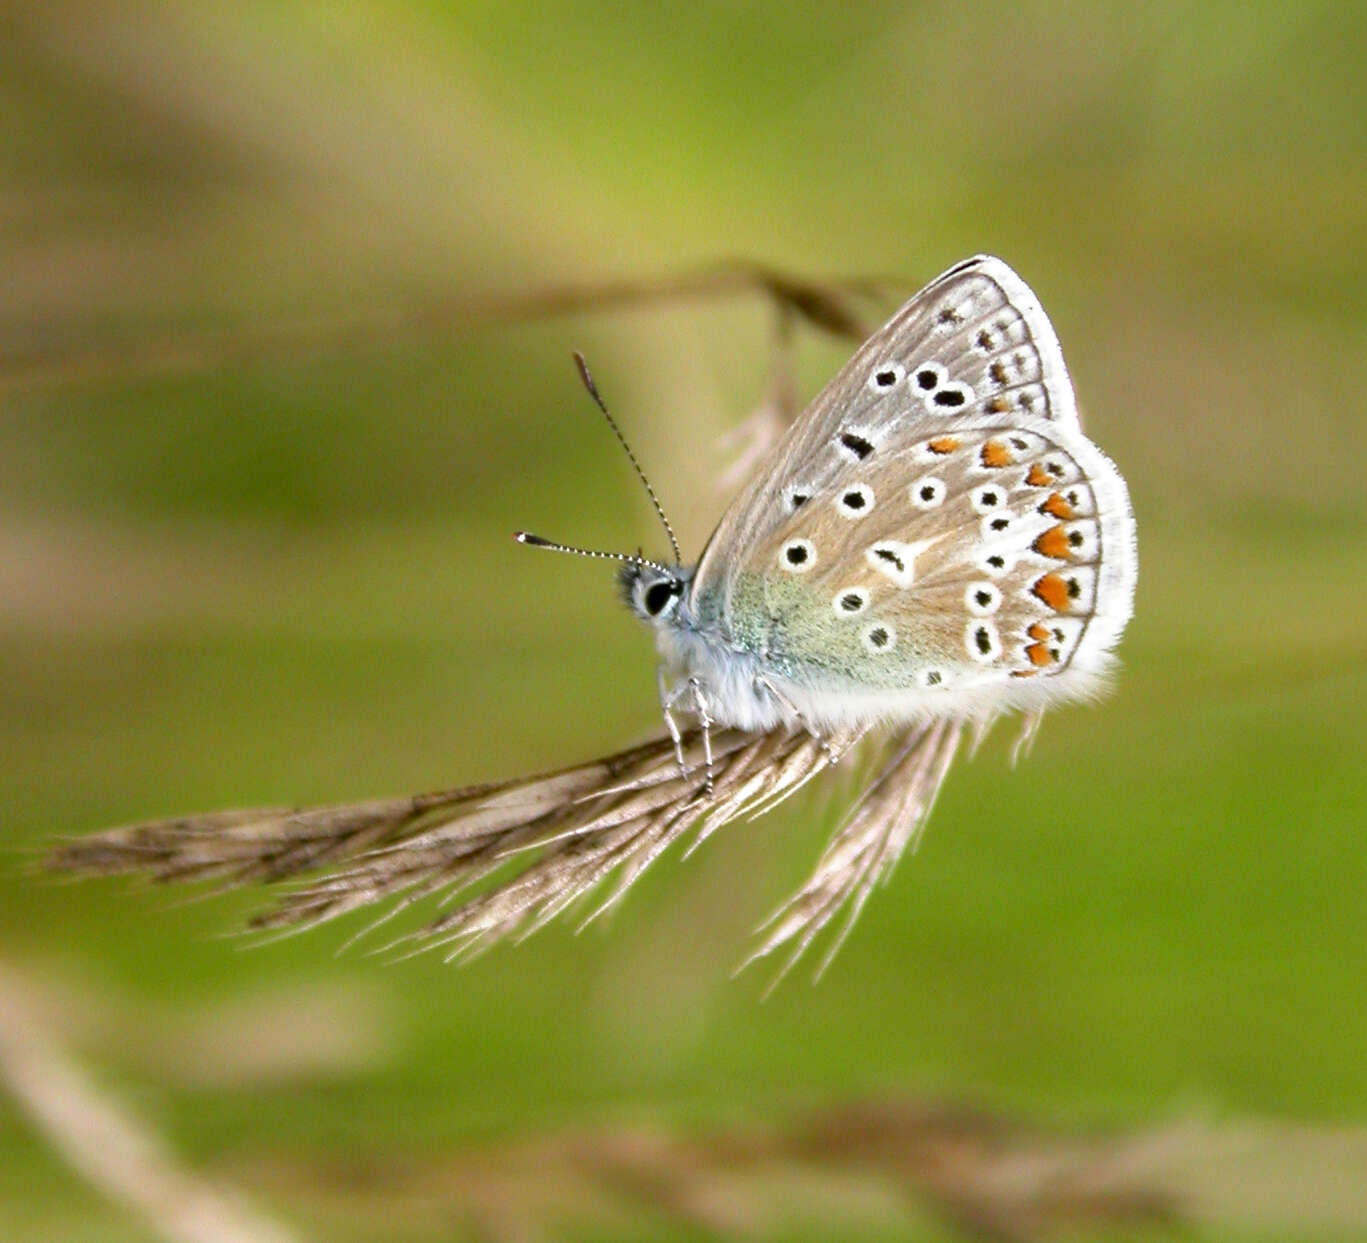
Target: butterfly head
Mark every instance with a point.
(653, 591)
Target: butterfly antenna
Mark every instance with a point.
(536, 541)
(622, 440)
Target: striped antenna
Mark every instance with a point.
(536, 541)
(626, 448)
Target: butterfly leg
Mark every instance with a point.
(668, 699)
(788, 706)
(705, 722)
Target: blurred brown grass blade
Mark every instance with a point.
(108, 1144)
(509, 857)
(872, 1168)
(827, 304)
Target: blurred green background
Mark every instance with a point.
(288, 577)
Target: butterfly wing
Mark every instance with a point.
(972, 344)
(935, 521)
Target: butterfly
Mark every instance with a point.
(933, 543)
(934, 537)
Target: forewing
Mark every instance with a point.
(972, 347)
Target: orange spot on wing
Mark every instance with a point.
(1022, 673)
(943, 444)
(1039, 632)
(1053, 543)
(999, 405)
(1039, 655)
(1039, 477)
(1057, 506)
(995, 454)
(1052, 590)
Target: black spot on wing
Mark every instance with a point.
(856, 444)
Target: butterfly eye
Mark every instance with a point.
(659, 596)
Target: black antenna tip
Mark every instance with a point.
(526, 537)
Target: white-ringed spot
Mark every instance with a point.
(996, 562)
(894, 560)
(982, 599)
(886, 377)
(928, 492)
(854, 501)
(928, 377)
(797, 556)
(987, 498)
(854, 444)
(996, 524)
(878, 637)
(982, 641)
(949, 398)
(850, 601)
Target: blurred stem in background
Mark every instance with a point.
(846, 1167)
(826, 304)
